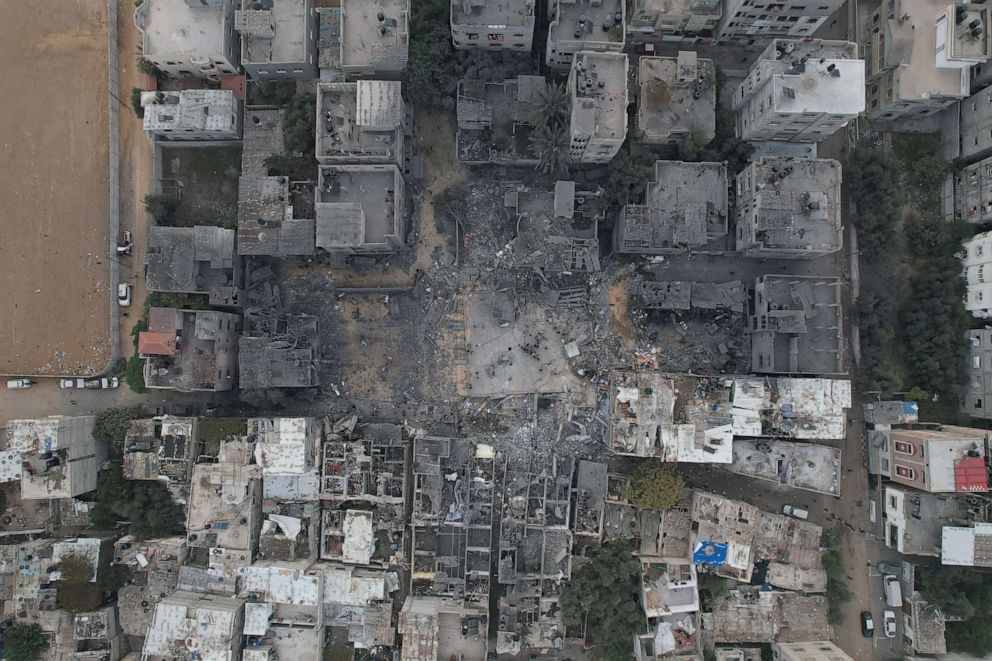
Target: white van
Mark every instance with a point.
(893, 592)
(797, 512)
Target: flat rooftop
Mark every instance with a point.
(363, 120)
(511, 13)
(582, 21)
(680, 7)
(799, 465)
(797, 202)
(181, 27)
(365, 39)
(356, 205)
(912, 44)
(288, 40)
(676, 95)
(599, 98)
(823, 86)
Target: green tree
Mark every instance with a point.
(549, 144)
(297, 168)
(112, 424)
(75, 592)
(299, 124)
(550, 106)
(136, 102)
(148, 67)
(838, 593)
(161, 207)
(24, 642)
(146, 504)
(656, 485)
(271, 93)
(605, 593)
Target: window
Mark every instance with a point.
(473, 36)
(904, 448)
(495, 36)
(907, 473)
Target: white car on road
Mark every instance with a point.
(124, 294)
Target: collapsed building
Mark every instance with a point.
(751, 615)
(495, 120)
(154, 565)
(789, 208)
(194, 260)
(682, 296)
(278, 350)
(685, 208)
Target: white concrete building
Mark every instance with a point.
(967, 547)
(592, 26)
(59, 456)
(673, 20)
(676, 99)
(375, 37)
(920, 54)
(189, 38)
(278, 39)
(360, 122)
(800, 91)
(597, 85)
(977, 261)
(976, 125)
(188, 625)
(747, 20)
(192, 115)
(820, 650)
(493, 24)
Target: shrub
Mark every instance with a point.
(161, 207)
(136, 102)
(146, 66)
(112, 424)
(24, 642)
(299, 124)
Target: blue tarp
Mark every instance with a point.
(710, 553)
(910, 408)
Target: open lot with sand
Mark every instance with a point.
(55, 279)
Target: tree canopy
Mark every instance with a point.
(656, 485)
(299, 124)
(24, 642)
(146, 504)
(605, 594)
(966, 594)
(76, 593)
(112, 424)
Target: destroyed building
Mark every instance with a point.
(797, 327)
(162, 449)
(590, 26)
(267, 224)
(374, 37)
(680, 296)
(932, 458)
(495, 120)
(597, 87)
(360, 209)
(96, 635)
(154, 565)
(800, 91)
(359, 600)
(555, 231)
(190, 350)
(589, 509)
(225, 509)
(798, 465)
(789, 208)
(535, 553)
(750, 615)
(193, 114)
(188, 624)
(681, 20)
(685, 207)
(278, 39)
(493, 24)
(674, 418)
(278, 351)
(189, 37)
(805, 409)
(729, 536)
(439, 628)
(360, 122)
(674, 638)
(194, 260)
(58, 455)
(677, 99)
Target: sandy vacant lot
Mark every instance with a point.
(54, 196)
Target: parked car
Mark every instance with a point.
(893, 592)
(889, 568)
(19, 384)
(112, 382)
(124, 243)
(889, 623)
(867, 625)
(124, 294)
(797, 512)
(72, 383)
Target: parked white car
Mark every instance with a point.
(124, 294)
(19, 384)
(889, 621)
(72, 383)
(797, 512)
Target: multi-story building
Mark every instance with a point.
(55, 457)
(920, 54)
(976, 125)
(190, 350)
(194, 260)
(189, 38)
(493, 24)
(977, 262)
(977, 400)
(789, 208)
(375, 37)
(360, 122)
(672, 20)
(972, 190)
(800, 91)
(597, 85)
(936, 459)
(278, 39)
(592, 26)
(191, 115)
(676, 99)
(820, 650)
(360, 209)
(747, 20)
(685, 207)
(191, 625)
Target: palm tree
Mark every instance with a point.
(550, 106)
(550, 145)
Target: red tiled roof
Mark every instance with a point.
(970, 474)
(151, 343)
